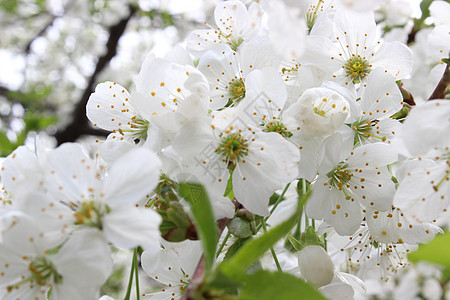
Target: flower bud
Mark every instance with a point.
(315, 265)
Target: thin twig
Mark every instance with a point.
(439, 91)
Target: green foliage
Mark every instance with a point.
(235, 248)
(240, 227)
(34, 98)
(309, 237)
(114, 285)
(6, 146)
(205, 223)
(9, 6)
(237, 266)
(274, 199)
(265, 285)
(33, 122)
(425, 8)
(437, 251)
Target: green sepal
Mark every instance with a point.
(240, 227)
(176, 235)
(295, 243)
(177, 215)
(229, 189)
(166, 226)
(308, 237)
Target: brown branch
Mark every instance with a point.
(4, 91)
(40, 33)
(79, 124)
(439, 91)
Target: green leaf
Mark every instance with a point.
(265, 285)
(205, 223)
(234, 248)
(6, 146)
(446, 60)
(295, 243)
(274, 199)
(437, 251)
(425, 8)
(38, 121)
(10, 6)
(252, 250)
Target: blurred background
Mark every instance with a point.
(54, 52)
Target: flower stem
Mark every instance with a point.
(274, 255)
(274, 207)
(130, 281)
(439, 91)
(223, 244)
(136, 273)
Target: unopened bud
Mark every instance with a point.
(315, 265)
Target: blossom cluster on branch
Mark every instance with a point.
(282, 144)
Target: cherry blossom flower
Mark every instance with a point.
(353, 51)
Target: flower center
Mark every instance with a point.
(357, 68)
(90, 213)
(233, 147)
(236, 90)
(311, 14)
(138, 128)
(364, 129)
(278, 127)
(235, 42)
(42, 272)
(339, 178)
(445, 178)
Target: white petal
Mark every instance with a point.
(372, 156)
(272, 163)
(70, 173)
(21, 172)
(426, 126)
(168, 265)
(131, 177)
(201, 40)
(416, 194)
(109, 106)
(373, 188)
(355, 28)
(382, 97)
(231, 16)
(331, 205)
(128, 227)
(337, 291)
(84, 260)
(395, 58)
(322, 53)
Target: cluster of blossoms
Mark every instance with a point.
(271, 97)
